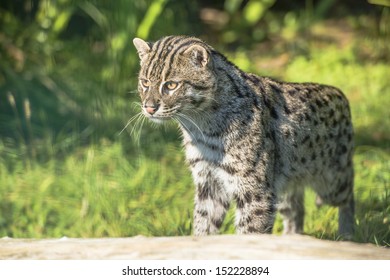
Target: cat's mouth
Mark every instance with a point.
(159, 113)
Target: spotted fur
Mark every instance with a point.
(249, 139)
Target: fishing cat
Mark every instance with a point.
(251, 139)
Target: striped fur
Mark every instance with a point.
(249, 139)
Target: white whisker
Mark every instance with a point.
(186, 127)
(130, 121)
(136, 105)
(192, 122)
(138, 135)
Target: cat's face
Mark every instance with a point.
(176, 78)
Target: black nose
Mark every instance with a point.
(151, 108)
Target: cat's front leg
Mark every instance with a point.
(210, 208)
(255, 212)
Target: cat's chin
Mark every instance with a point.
(159, 120)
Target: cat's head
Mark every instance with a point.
(176, 79)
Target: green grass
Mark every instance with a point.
(56, 186)
(96, 191)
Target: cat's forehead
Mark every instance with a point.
(162, 45)
(170, 46)
(168, 58)
(169, 42)
(160, 60)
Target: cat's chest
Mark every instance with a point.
(205, 151)
(212, 164)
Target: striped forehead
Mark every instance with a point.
(160, 51)
(163, 54)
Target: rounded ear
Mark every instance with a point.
(143, 48)
(198, 55)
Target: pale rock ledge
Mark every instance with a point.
(266, 247)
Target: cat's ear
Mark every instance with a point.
(198, 55)
(143, 48)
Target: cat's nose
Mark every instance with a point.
(151, 108)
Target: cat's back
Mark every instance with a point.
(311, 126)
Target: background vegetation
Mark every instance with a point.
(68, 74)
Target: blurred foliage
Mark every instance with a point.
(68, 60)
(72, 57)
(68, 74)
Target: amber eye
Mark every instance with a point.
(145, 83)
(171, 85)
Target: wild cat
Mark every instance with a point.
(250, 139)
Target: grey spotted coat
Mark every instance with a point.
(249, 139)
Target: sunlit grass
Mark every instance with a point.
(96, 191)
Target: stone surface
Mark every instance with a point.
(187, 247)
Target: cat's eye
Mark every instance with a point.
(145, 83)
(171, 85)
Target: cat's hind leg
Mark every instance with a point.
(347, 219)
(339, 193)
(291, 208)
